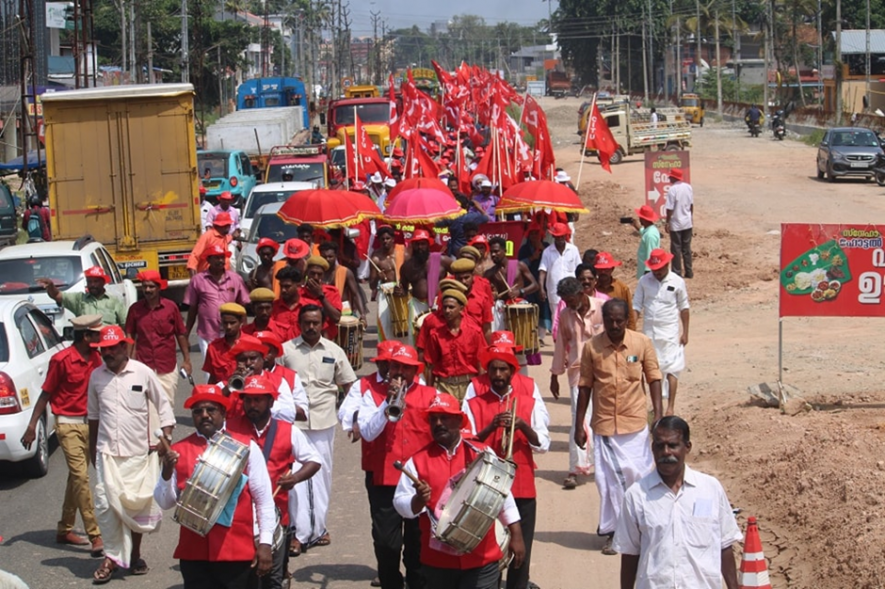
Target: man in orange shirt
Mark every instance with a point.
(343, 279)
(218, 234)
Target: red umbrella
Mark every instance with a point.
(434, 183)
(540, 194)
(422, 206)
(328, 208)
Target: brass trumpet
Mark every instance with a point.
(397, 405)
(238, 381)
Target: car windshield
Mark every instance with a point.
(689, 102)
(378, 112)
(212, 165)
(301, 172)
(259, 199)
(18, 276)
(271, 226)
(855, 138)
(337, 157)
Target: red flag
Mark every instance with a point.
(371, 159)
(600, 138)
(394, 116)
(353, 163)
(419, 162)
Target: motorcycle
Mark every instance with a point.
(754, 126)
(777, 125)
(879, 170)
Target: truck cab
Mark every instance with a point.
(374, 113)
(274, 92)
(226, 170)
(306, 163)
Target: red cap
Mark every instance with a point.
(658, 259)
(223, 220)
(559, 230)
(605, 260)
(215, 250)
(480, 240)
(505, 354)
(111, 335)
(96, 272)
(226, 196)
(647, 213)
(386, 350)
(296, 249)
(397, 152)
(269, 338)
(406, 355)
(152, 276)
(421, 235)
(258, 385)
(207, 392)
(446, 404)
(676, 174)
(268, 242)
(247, 343)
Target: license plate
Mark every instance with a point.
(178, 273)
(860, 165)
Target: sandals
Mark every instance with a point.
(139, 567)
(570, 482)
(104, 573)
(323, 540)
(294, 548)
(607, 549)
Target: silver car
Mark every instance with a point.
(266, 223)
(847, 151)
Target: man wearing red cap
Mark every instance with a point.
(119, 392)
(558, 261)
(206, 292)
(224, 207)
(530, 252)
(95, 301)
(680, 221)
(284, 379)
(492, 403)
(248, 356)
(649, 236)
(228, 555)
(281, 444)
(511, 279)
(393, 419)
(607, 284)
(217, 236)
(661, 299)
(154, 324)
(262, 276)
(295, 252)
(435, 465)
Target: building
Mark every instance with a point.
(854, 75)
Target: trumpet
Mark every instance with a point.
(238, 381)
(397, 405)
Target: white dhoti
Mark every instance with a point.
(309, 501)
(621, 460)
(499, 317)
(671, 359)
(417, 308)
(580, 461)
(124, 502)
(170, 383)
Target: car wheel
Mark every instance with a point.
(880, 178)
(38, 465)
(830, 176)
(820, 175)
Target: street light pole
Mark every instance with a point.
(185, 49)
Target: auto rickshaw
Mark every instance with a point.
(693, 107)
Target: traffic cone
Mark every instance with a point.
(754, 570)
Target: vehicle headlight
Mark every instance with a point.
(837, 156)
(247, 263)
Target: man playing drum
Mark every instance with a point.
(384, 276)
(344, 281)
(394, 420)
(510, 279)
(434, 468)
(226, 555)
(452, 348)
(280, 444)
(498, 403)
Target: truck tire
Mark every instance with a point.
(672, 147)
(617, 157)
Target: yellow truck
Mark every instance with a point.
(121, 164)
(365, 91)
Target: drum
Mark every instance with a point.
(215, 478)
(399, 314)
(523, 320)
(419, 321)
(350, 339)
(502, 535)
(475, 502)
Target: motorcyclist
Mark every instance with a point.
(778, 118)
(753, 115)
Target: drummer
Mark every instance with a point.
(344, 281)
(488, 408)
(511, 280)
(453, 347)
(387, 260)
(281, 444)
(415, 274)
(225, 557)
(395, 440)
(435, 465)
(479, 304)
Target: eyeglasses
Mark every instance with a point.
(201, 410)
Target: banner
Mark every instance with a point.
(657, 176)
(832, 270)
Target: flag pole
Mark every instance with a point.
(584, 143)
(356, 146)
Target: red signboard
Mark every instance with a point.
(657, 181)
(832, 270)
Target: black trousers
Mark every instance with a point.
(486, 577)
(202, 574)
(680, 247)
(518, 578)
(395, 538)
(274, 580)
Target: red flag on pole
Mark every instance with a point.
(600, 138)
(371, 160)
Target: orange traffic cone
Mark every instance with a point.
(754, 570)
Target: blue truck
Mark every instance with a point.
(273, 92)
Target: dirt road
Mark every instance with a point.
(812, 479)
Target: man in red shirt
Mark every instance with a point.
(285, 380)
(65, 389)
(395, 439)
(479, 305)
(285, 308)
(219, 364)
(155, 326)
(453, 348)
(262, 306)
(314, 292)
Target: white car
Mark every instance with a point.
(27, 341)
(266, 194)
(64, 263)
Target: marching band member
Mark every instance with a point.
(452, 347)
(282, 377)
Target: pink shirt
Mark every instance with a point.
(207, 295)
(599, 295)
(574, 330)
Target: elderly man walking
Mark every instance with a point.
(612, 366)
(662, 300)
(676, 528)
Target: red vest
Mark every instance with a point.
(235, 543)
(278, 374)
(369, 384)
(434, 466)
(279, 461)
(400, 440)
(485, 405)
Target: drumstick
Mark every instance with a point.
(399, 466)
(277, 490)
(161, 437)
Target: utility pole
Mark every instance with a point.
(869, 96)
(697, 68)
(678, 60)
(767, 54)
(736, 56)
(374, 65)
(838, 68)
(718, 66)
(651, 48)
(820, 54)
(644, 64)
(150, 53)
(185, 50)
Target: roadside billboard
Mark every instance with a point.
(657, 182)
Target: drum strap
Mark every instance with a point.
(269, 440)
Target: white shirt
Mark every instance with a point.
(558, 266)
(679, 200)
(654, 120)
(679, 537)
(352, 402)
(290, 399)
(540, 417)
(234, 213)
(660, 303)
(166, 492)
(372, 418)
